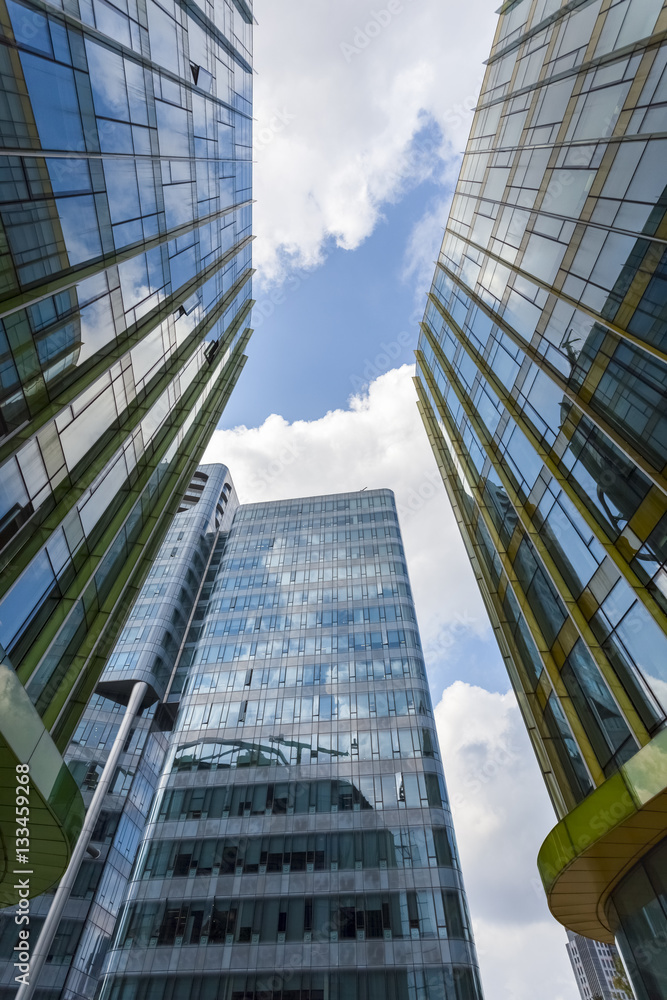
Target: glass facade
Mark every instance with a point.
(163, 608)
(542, 378)
(637, 908)
(300, 843)
(125, 298)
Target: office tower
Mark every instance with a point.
(597, 969)
(124, 308)
(146, 650)
(541, 378)
(300, 843)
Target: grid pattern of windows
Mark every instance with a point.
(457, 982)
(598, 969)
(124, 306)
(396, 790)
(544, 392)
(412, 915)
(99, 887)
(542, 374)
(402, 848)
(298, 763)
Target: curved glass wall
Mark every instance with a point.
(637, 910)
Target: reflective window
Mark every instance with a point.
(457, 982)
(543, 597)
(638, 913)
(407, 847)
(54, 102)
(566, 749)
(605, 726)
(389, 791)
(385, 916)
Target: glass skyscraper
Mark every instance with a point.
(146, 650)
(125, 297)
(300, 843)
(597, 969)
(542, 377)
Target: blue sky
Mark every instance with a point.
(472, 659)
(320, 334)
(326, 331)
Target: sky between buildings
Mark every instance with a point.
(361, 116)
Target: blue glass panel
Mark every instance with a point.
(54, 103)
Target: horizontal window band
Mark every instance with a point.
(133, 336)
(33, 293)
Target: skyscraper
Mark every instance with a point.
(300, 843)
(596, 969)
(542, 371)
(146, 650)
(124, 310)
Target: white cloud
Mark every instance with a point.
(524, 961)
(342, 91)
(502, 814)
(423, 247)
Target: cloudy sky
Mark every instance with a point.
(361, 115)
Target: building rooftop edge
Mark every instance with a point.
(319, 496)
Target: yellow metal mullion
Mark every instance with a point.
(575, 303)
(575, 613)
(553, 466)
(490, 597)
(550, 672)
(656, 476)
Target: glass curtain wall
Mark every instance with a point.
(125, 298)
(146, 650)
(301, 842)
(542, 378)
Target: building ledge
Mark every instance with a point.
(55, 811)
(594, 846)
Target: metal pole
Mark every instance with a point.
(48, 932)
